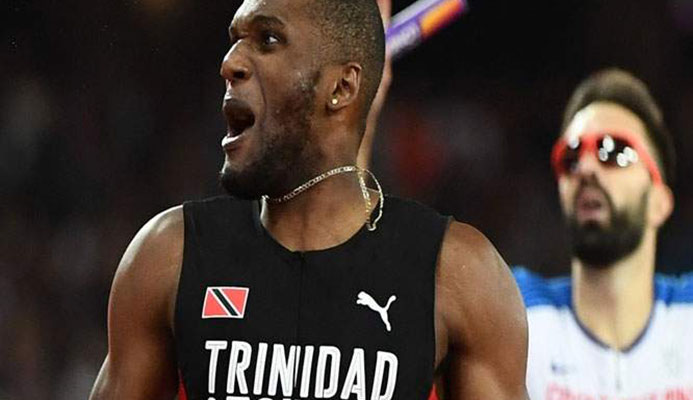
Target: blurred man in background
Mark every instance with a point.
(614, 329)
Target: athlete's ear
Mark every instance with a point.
(346, 85)
(661, 204)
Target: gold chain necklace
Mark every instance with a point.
(336, 171)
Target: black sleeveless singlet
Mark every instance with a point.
(256, 321)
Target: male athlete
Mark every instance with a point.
(614, 329)
(297, 287)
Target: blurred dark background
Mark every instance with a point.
(109, 113)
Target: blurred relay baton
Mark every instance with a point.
(418, 22)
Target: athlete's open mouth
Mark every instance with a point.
(590, 198)
(591, 204)
(588, 203)
(239, 116)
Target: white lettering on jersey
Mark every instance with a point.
(282, 369)
(355, 380)
(285, 365)
(260, 368)
(383, 359)
(215, 346)
(334, 354)
(237, 367)
(307, 368)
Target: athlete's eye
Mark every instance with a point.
(269, 39)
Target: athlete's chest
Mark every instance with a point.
(566, 362)
(305, 326)
(353, 299)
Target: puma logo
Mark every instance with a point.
(365, 299)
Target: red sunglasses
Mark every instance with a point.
(616, 150)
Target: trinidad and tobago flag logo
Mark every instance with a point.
(225, 302)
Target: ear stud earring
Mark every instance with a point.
(334, 101)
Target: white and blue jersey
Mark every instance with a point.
(567, 362)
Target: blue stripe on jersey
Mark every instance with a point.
(539, 291)
(674, 290)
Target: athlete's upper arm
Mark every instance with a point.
(141, 360)
(484, 319)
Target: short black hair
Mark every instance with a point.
(352, 30)
(615, 85)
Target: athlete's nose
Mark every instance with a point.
(587, 165)
(235, 67)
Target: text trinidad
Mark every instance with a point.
(291, 371)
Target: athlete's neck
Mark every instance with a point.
(614, 303)
(322, 217)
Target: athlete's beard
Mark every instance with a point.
(285, 158)
(600, 246)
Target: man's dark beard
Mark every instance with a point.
(285, 159)
(598, 246)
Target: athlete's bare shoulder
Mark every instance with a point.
(141, 363)
(159, 236)
(165, 226)
(481, 325)
(153, 260)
